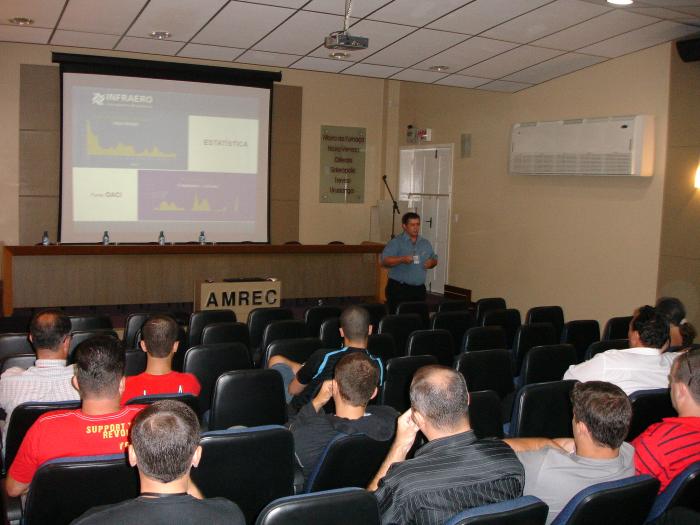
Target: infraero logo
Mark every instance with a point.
(100, 99)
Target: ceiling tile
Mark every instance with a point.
(555, 67)
(320, 64)
(545, 20)
(673, 3)
(283, 3)
(370, 70)
(639, 39)
(302, 33)
(657, 12)
(510, 61)
(149, 45)
(380, 35)
(462, 81)
(27, 35)
(264, 58)
(111, 18)
(417, 75)
(45, 13)
(210, 52)
(415, 47)
(694, 11)
(360, 8)
(481, 15)
(81, 39)
(505, 86)
(241, 24)
(416, 12)
(182, 18)
(586, 33)
(467, 53)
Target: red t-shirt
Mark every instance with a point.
(664, 449)
(171, 383)
(66, 433)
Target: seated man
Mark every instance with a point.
(666, 448)
(355, 383)
(643, 366)
(454, 471)
(164, 447)
(100, 426)
(49, 379)
(159, 341)
(304, 380)
(556, 470)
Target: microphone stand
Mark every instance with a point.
(395, 208)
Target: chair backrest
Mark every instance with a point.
(376, 312)
(63, 489)
(284, 329)
(23, 417)
(347, 506)
(485, 413)
(581, 334)
(315, 315)
(252, 467)
(248, 398)
(484, 338)
(453, 305)
(188, 399)
(625, 501)
(681, 492)
(432, 342)
(14, 344)
(381, 346)
(208, 362)
(397, 379)
(543, 410)
(547, 363)
(487, 370)
(399, 326)
(82, 336)
(20, 361)
(508, 319)
(416, 307)
(605, 345)
(330, 333)
(457, 323)
(616, 328)
(132, 326)
(298, 350)
(136, 361)
(649, 407)
(201, 318)
(547, 314)
(529, 335)
(525, 510)
(349, 460)
(225, 332)
(487, 304)
(259, 318)
(85, 323)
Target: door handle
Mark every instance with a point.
(430, 222)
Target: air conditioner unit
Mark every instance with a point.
(591, 146)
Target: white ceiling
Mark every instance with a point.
(498, 45)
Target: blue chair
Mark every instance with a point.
(625, 501)
(681, 492)
(526, 510)
(649, 407)
(542, 410)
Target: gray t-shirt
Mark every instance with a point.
(555, 476)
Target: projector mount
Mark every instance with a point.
(342, 40)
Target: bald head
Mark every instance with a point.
(48, 329)
(440, 395)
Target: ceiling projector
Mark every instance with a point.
(345, 41)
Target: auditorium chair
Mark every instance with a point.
(315, 315)
(649, 407)
(349, 460)
(542, 410)
(487, 304)
(15, 344)
(397, 380)
(489, 370)
(546, 363)
(226, 332)
(17, 361)
(483, 338)
(298, 350)
(188, 399)
(86, 323)
(381, 346)
(132, 328)
(376, 312)
(437, 343)
(605, 345)
(525, 510)
(547, 314)
(285, 329)
(201, 318)
(625, 501)
(683, 491)
(248, 398)
(485, 413)
(616, 328)
(136, 361)
(330, 333)
(347, 506)
(453, 305)
(527, 336)
(457, 323)
(252, 466)
(508, 319)
(258, 319)
(581, 334)
(415, 307)
(208, 362)
(399, 326)
(82, 336)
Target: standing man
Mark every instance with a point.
(408, 257)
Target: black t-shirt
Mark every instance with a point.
(167, 510)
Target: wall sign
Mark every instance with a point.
(342, 164)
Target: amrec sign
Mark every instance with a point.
(240, 296)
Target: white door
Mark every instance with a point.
(425, 180)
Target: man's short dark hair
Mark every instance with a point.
(652, 327)
(440, 394)
(355, 323)
(165, 436)
(159, 333)
(357, 376)
(99, 366)
(49, 329)
(605, 410)
(686, 369)
(409, 216)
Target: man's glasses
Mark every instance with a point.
(690, 370)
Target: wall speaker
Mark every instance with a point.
(689, 50)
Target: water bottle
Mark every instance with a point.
(105, 238)
(202, 237)
(45, 239)
(161, 238)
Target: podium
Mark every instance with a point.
(239, 295)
